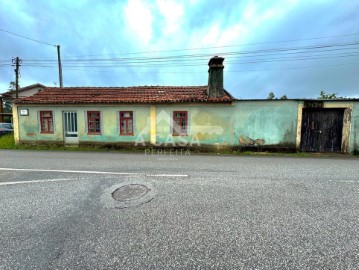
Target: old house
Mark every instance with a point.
(189, 116)
(10, 96)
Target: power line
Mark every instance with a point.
(225, 46)
(305, 67)
(234, 71)
(202, 57)
(199, 48)
(293, 56)
(26, 37)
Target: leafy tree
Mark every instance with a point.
(324, 95)
(271, 95)
(7, 104)
(12, 86)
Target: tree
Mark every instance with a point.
(324, 95)
(7, 106)
(7, 103)
(271, 95)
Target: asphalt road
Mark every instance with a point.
(199, 212)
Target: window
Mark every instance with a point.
(126, 123)
(180, 123)
(46, 122)
(93, 122)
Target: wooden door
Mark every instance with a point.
(322, 130)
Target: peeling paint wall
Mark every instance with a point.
(244, 123)
(265, 123)
(208, 124)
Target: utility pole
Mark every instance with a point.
(17, 62)
(60, 67)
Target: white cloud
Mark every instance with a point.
(139, 19)
(173, 13)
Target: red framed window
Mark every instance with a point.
(47, 122)
(126, 123)
(93, 122)
(180, 123)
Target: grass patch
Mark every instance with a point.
(7, 141)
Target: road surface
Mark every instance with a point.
(172, 211)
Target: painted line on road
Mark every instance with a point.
(35, 181)
(167, 175)
(95, 172)
(347, 181)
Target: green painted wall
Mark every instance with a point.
(268, 122)
(208, 124)
(273, 122)
(30, 131)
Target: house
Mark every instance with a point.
(11, 96)
(188, 116)
(26, 91)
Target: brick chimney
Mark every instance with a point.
(215, 77)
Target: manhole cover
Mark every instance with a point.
(129, 192)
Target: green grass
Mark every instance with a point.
(7, 142)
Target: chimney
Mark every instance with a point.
(215, 77)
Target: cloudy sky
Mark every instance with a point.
(297, 48)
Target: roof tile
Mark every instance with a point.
(117, 95)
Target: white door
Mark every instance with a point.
(70, 128)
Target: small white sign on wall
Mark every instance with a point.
(24, 112)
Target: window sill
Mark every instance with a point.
(130, 134)
(176, 135)
(93, 133)
(47, 132)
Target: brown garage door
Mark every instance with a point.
(322, 130)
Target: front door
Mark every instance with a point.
(322, 130)
(70, 128)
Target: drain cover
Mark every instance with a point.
(130, 192)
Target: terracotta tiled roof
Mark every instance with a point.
(22, 89)
(116, 95)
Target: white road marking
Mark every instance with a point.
(345, 181)
(95, 172)
(167, 175)
(35, 181)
